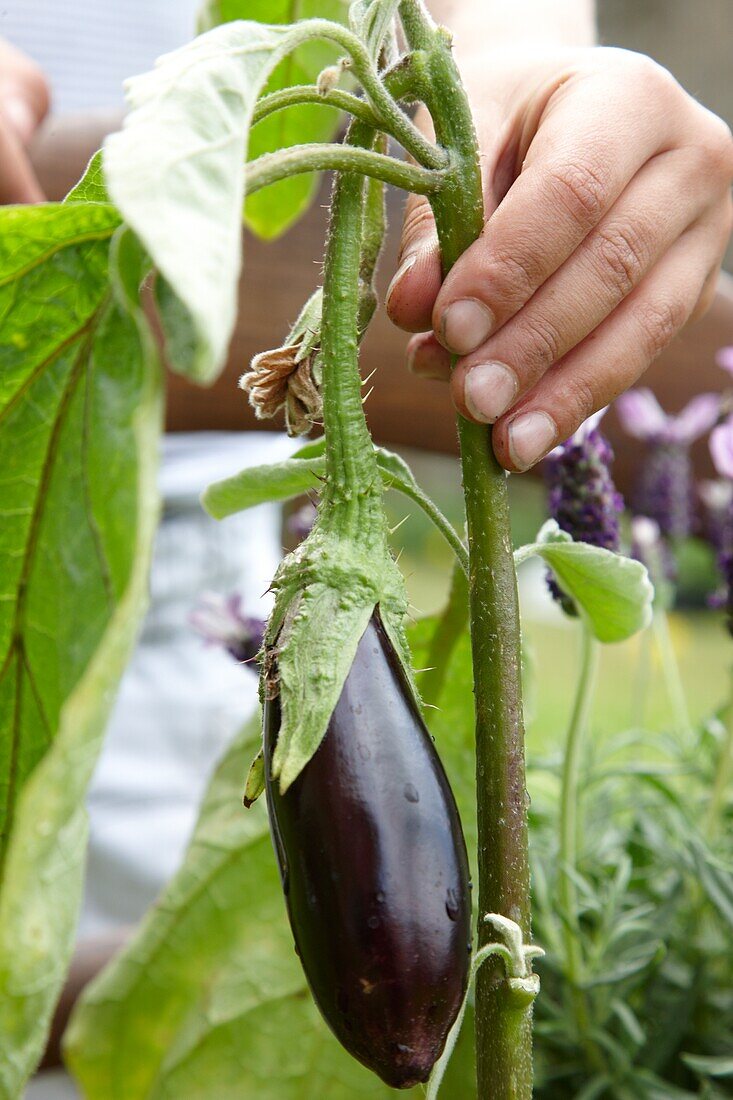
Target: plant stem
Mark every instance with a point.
(322, 156)
(352, 474)
(503, 1028)
(671, 672)
(568, 840)
(723, 773)
(310, 93)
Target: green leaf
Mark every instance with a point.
(176, 170)
(613, 592)
(80, 406)
(272, 211)
(209, 995)
(303, 473)
(709, 1066)
(90, 187)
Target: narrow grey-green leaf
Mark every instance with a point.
(80, 413)
(613, 592)
(176, 170)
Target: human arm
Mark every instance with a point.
(24, 102)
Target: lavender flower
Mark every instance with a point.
(665, 487)
(717, 499)
(582, 496)
(300, 523)
(724, 359)
(220, 621)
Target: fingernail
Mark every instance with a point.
(489, 390)
(20, 116)
(465, 325)
(530, 438)
(407, 264)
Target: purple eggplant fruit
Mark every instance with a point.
(375, 873)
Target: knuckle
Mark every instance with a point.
(718, 146)
(516, 275)
(624, 257)
(418, 226)
(660, 321)
(541, 342)
(581, 189)
(583, 401)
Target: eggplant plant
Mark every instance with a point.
(360, 806)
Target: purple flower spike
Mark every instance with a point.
(721, 448)
(582, 496)
(649, 547)
(220, 621)
(643, 417)
(724, 359)
(665, 486)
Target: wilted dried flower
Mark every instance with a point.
(289, 377)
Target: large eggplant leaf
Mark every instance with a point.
(176, 170)
(612, 592)
(272, 211)
(209, 999)
(79, 419)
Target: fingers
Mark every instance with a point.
(612, 358)
(18, 183)
(24, 92)
(414, 288)
(427, 358)
(606, 267)
(590, 142)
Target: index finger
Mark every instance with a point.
(591, 140)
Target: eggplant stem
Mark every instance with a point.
(503, 1027)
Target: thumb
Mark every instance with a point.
(24, 92)
(414, 288)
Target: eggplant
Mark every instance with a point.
(375, 873)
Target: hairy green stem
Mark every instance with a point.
(322, 156)
(310, 93)
(568, 839)
(503, 1028)
(447, 633)
(352, 475)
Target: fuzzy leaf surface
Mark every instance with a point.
(210, 994)
(80, 417)
(176, 170)
(613, 592)
(272, 211)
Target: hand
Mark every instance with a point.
(608, 210)
(24, 102)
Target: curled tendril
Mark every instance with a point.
(522, 983)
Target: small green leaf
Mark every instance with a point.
(613, 592)
(303, 473)
(90, 187)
